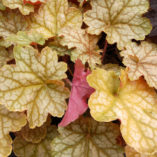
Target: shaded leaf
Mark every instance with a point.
(23, 148)
(10, 23)
(2, 7)
(122, 20)
(133, 102)
(79, 94)
(9, 121)
(87, 138)
(5, 56)
(142, 61)
(25, 9)
(34, 84)
(53, 16)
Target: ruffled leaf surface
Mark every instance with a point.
(142, 61)
(34, 84)
(23, 148)
(87, 138)
(9, 122)
(85, 44)
(122, 20)
(25, 9)
(133, 102)
(53, 16)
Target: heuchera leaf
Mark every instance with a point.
(79, 94)
(24, 38)
(87, 138)
(86, 45)
(11, 21)
(60, 49)
(34, 84)
(2, 7)
(130, 152)
(23, 148)
(142, 61)
(5, 56)
(9, 121)
(53, 16)
(120, 20)
(133, 102)
(33, 2)
(25, 9)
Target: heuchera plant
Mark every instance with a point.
(77, 79)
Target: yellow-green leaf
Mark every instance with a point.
(24, 38)
(86, 45)
(5, 56)
(9, 122)
(142, 61)
(121, 20)
(53, 16)
(23, 148)
(11, 21)
(87, 138)
(133, 102)
(130, 152)
(61, 50)
(34, 84)
(2, 7)
(25, 9)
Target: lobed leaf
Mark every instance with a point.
(87, 138)
(33, 84)
(142, 61)
(25, 9)
(122, 20)
(133, 102)
(53, 16)
(86, 45)
(9, 121)
(23, 148)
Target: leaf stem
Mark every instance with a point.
(104, 51)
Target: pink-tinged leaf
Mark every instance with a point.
(79, 94)
(33, 3)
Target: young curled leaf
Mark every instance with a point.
(121, 20)
(34, 84)
(142, 61)
(53, 16)
(133, 102)
(87, 138)
(9, 122)
(86, 45)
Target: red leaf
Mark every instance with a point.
(29, 2)
(79, 94)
